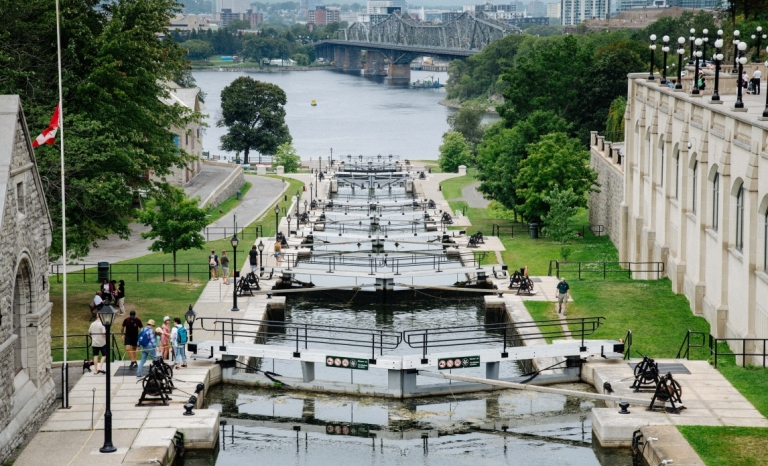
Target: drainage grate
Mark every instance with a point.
(125, 371)
(664, 367)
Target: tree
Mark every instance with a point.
(453, 152)
(198, 49)
(562, 206)
(614, 125)
(555, 161)
(287, 157)
(236, 24)
(254, 113)
(176, 222)
(467, 121)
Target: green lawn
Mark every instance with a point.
(751, 381)
(452, 186)
(728, 446)
(215, 213)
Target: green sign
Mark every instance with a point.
(342, 362)
(459, 362)
(352, 430)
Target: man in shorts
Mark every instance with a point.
(562, 296)
(213, 263)
(131, 327)
(99, 343)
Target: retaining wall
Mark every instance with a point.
(226, 189)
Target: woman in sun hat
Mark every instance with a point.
(165, 337)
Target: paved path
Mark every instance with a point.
(209, 178)
(472, 197)
(430, 189)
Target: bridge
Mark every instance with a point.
(391, 45)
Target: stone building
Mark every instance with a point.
(694, 196)
(26, 387)
(190, 138)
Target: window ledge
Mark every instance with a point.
(673, 201)
(691, 217)
(762, 275)
(711, 232)
(737, 254)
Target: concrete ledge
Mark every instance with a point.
(152, 444)
(671, 445)
(227, 188)
(614, 430)
(201, 431)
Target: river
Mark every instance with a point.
(354, 115)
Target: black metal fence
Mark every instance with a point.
(82, 346)
(604, 269)
(214, 233)
(525, 228)
(751, 348)
(382, 262)
(141, 272)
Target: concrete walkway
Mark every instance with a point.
(209, 178)
(429, 188)
(472, 196)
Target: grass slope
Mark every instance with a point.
(728, 446)
(215, 213)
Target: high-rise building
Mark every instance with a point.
(323, 15)
(449, 16)
(226, 15)
(553, 10)
(573, 12)
(234, 6)
(537, 9)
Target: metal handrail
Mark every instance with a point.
(687, 344)
(115, 353)
(714, 348)
(378, 263)
(602, 267)
(628, 345)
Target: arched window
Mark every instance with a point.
(715, 201)
(22, 301)
(677, 175)
(740, 218)
(693, 196)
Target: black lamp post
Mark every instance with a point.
(680, 53)
(718, 60)
(705, 41)
(760, 35)
(331, 165)
(107, 315)
(741, 60)
(277, 213)
(692, 38)
(288, 217)
(260, 247)
(190, 317)
(665, 49)
(305, 206)
(311, 194)
(234, 242)
(697, 59)
(736, 52)
(297, 203)
(652, 47)
(317, 182)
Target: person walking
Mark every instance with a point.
(179, 341)
(278, 252)
(562, 296)
(105, 289)
(121, 297)
(253, 258)
(99, 344)
(213, 263)
(225, 267)
(165, 338)
(756, 75)
(131, 327)
(147, 346)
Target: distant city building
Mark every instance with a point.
(553, 11)
(188, 23)
(449, 16)
(624, 5)
(377, 7)
(489, 8)
(520, 6)
(227, 15)
(536, 8)
(234, 6)
(539, 21)
(310, 4)
(323, 15)
(574, 12)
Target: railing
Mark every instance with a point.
(628, 345)
(127, 271)
(507, 334)
(524, 228)
(685, 347)
(382, 262)
(302, 334)
(114, 353)
(714, 348)
(213, 233)
(604, 268)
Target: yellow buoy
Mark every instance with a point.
(314, 103)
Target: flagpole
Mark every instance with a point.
(64, 367)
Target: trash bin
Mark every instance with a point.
(103, 271)
(533, 229)
(239, 195)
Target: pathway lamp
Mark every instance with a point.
(277, 213)
(691, 39)
(705, 40)
(289, 223)
(680, 53)
(305, 206)
(736, 52)
(331, 165)
(311, 192)
(234, 242)
(760, 35)
(718, 60)
(665, 49)
(260, 247)
(190, 317)
(739, 83)
(107, 315)
(652, 47)
(697, 59)
(297, 203)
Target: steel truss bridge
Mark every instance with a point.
(391, 45)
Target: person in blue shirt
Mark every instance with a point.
(147, 346)
(562, 296)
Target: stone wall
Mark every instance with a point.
(227, 188)
(605, 206)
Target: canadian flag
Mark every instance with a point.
(48, 136)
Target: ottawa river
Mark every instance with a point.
(354, 115)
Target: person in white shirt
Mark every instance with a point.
(99, 343)
(98, 301)
(756, 75)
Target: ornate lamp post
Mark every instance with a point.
(741, 60)
(652, 47)
(305, 206)
(718, 60)
(288, 217)
(705, 41)
(298, 195)
(692, 38)
(107, 315)
(277, 213)
(696, 58)
(234, 242)
(760, 35)
(665, 49)
(311, 195)
(190, 317)
(736, 52)
(680, 53)
(260, 247)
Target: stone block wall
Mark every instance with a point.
(226, 189)
(605, 206)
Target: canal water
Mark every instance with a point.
(354, 115)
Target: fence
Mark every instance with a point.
(382, 262)
(756, 344)
(84, 342)
(524, 228)
(604, 268)
(126, 271)
(213, 233)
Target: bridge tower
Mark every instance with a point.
(375, 64)
(347, 58)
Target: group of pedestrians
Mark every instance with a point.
(214, 262)
(112, 289)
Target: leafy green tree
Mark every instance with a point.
(301, 59)
(287, 157)
(468, 121)
(562, 206)
(614, 125)
(197, 49)
(454, 152)
(254, 113)
(176, 222)
(555, 161)
(236, 24)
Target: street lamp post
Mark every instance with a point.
(736, 52)
(234, 242)
(705, 41)
(311, 194)
(288, 217)
(305, 206)
(297, 203)
(680, 52)
(652, 47)
(692, 38)
(665, 49)
(190, 317)
(277, 213)
(739, 83)
(107, 315)
(331, 165)
(260, 247)
(718, 60)
(760, 35)
(696, 58)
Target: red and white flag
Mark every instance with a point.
(48, 136)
